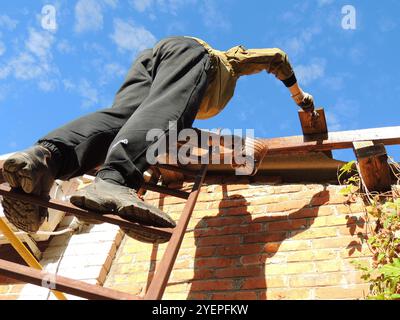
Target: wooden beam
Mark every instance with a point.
(62, 284)
(332, 140)
(373, 166)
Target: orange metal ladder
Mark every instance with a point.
(88, 291)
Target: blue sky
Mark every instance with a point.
(48, 78)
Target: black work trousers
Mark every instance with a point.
(166, 83)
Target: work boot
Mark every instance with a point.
(25, 216)
(104, 197)
(31, 171)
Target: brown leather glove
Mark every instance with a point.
(305, 101)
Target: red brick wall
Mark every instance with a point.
(259, 240)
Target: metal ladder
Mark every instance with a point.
(35, 275)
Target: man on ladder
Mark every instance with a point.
(181, 79)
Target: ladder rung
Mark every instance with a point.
(165, 190)
(63, 284)
(55, 204)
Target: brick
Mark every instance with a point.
(238, 202)
(221, 240)
(125, 259)
(214, 262)
(263, 238)
(289, 294)
(289, 268)
(311, 255)
(350, 209)
(229, 230)
(198, 296)
(133, 288)
(212, 285)
(263, 282)
(189, 274)
(223, 221)
(330, 221)
(234, 272)
(268, 199)
(177, 288)
(235, 295)
(4, 289)
(175, 296)
(288, 188)
(337, 242)
(293, 224)
(329, 266)
(313, 233)
(315, 280)
(342, 292)
(240, 249)
(255, 259)
(287, 205)
(288, 245)
(232, 211)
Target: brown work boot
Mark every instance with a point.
(31, 171)
(104, 197)
(25, 216)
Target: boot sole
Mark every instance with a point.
(145, 236)
(25, 216)
(140, 213)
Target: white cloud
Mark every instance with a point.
(39, 43)
(84, 88)
(169, 6)
(298, 44)
(88, 16)
(306, 74)
(47, 85)
(65, 47)
(212, 16)
(7, 22)
(34, 61)
(322, 3)
(111, 3)
(2, 48)
(130, 37)
(142, 5)
(343, 115)
(111, 71)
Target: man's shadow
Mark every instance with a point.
(228, 259)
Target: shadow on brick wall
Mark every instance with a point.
(233, 248)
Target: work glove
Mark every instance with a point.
(305, 101)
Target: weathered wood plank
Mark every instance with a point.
(308, 126)
(373, 165)
(333, 140)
